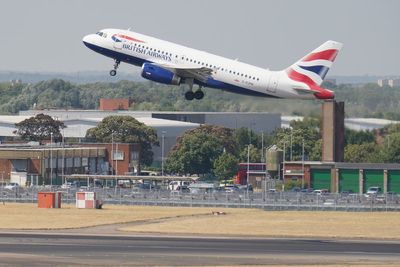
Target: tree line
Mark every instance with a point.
(361, 101)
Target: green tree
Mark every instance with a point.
(40, 127)
(254, 154)
(245, 136)
(224, 136)
(292, 139)
(194, 154)
(225, 167)
(126, 129)
(391, 148)
(358, 137)
(366, 152)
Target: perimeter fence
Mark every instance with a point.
(217, 199)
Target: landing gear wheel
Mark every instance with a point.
(198, 94)
(116, 65)
(189, 95)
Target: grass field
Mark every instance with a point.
(177, 220)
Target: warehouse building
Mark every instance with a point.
(344, 177)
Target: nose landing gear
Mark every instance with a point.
(116, 65)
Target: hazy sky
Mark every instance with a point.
(46, 35)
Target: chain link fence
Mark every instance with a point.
(242, 199)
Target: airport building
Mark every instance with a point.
(36, 164)
(338, 177)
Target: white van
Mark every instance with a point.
(178, 185)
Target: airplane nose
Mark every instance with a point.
(88, 39)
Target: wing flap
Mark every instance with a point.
(200, 74)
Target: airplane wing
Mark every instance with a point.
(200, 74)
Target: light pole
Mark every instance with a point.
(63, 157)
(262, 146)
(116, 158)
(248, 170)
(162, 152)
(112, 148)
(291, 144)
(51, 159)
(283, 163)
(302, 164)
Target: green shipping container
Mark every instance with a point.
(349, 180)
(393, 181)
(321, 179)
(373, 178)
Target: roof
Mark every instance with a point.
(77, 127)
(131, 177)
(351, 123)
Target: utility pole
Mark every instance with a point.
(162, 152)
(302, 164)
(262, 146)
(51, 160)
(291, 144)
(248, 170)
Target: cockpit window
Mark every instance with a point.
(102, 34)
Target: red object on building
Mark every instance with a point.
(114, 103)
(49, 200)
(254, 169)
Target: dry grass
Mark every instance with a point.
(178, 220)
(28, 216)
(284, 224)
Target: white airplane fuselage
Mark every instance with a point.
(193, 66)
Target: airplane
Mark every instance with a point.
(169, 63)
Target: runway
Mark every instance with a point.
(38, 249)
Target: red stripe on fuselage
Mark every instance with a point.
(129, 38)
(322, 93)
(329, 54)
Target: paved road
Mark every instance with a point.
(37, 249)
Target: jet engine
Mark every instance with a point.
(158, 74)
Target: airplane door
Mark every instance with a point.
(273, 83)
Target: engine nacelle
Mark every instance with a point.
(158, 74)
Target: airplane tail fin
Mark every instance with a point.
(312, 68)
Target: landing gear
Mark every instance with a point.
(190, 95)
(199, 94)
(116, 65)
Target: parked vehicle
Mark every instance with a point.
(320, 192)
(11, 186)
(145, 186)
(177, 185)
(232, 189)
(374, 190)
